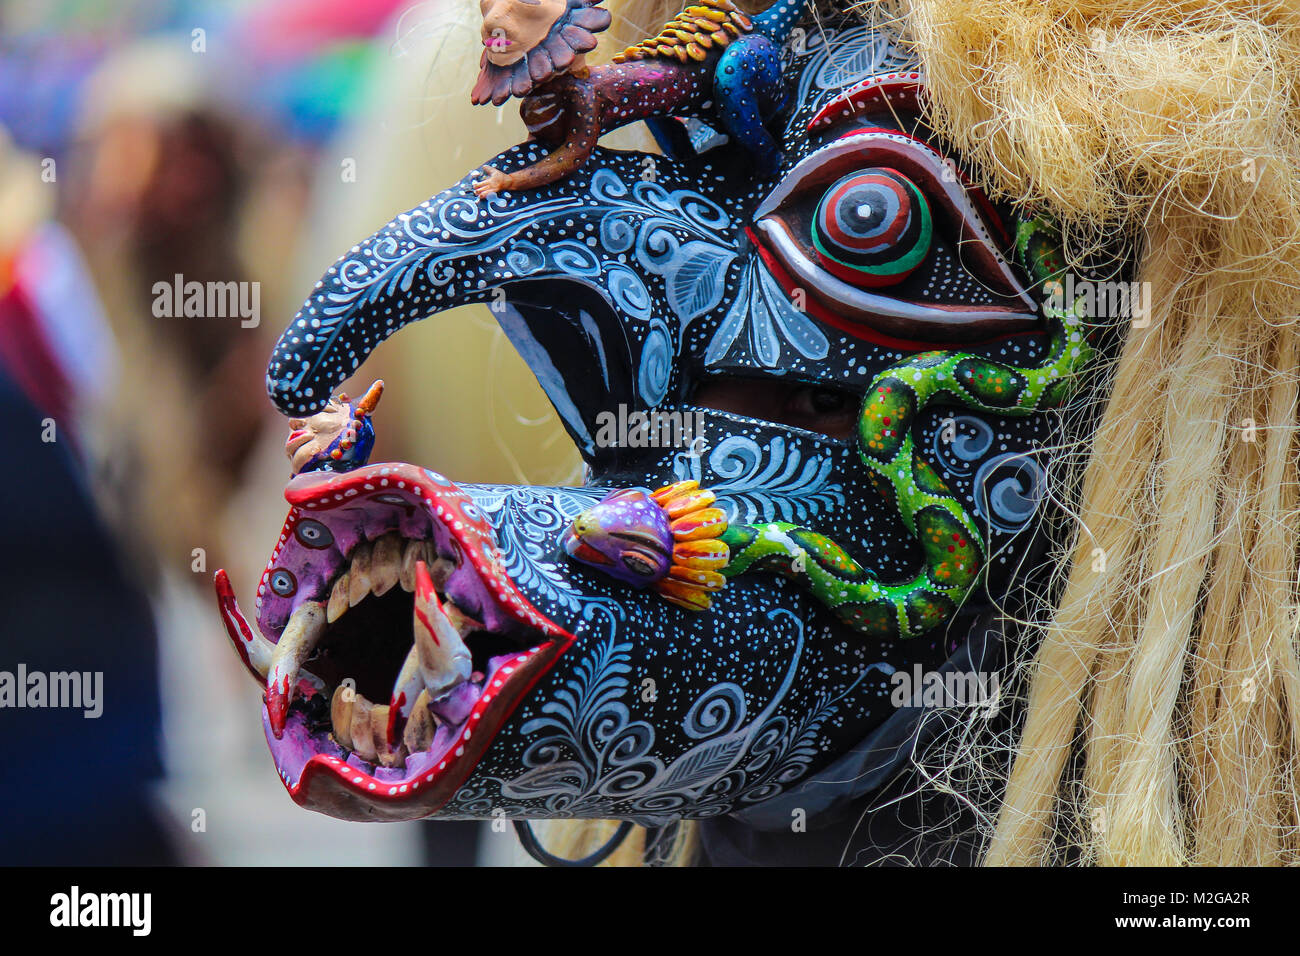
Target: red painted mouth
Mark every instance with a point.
(357, 534)
(577, 548)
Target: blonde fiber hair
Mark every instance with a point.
(1169, 671)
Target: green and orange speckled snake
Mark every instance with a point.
(677, 541)
(954, 555)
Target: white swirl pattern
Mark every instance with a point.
(762, 308)
(588, 751)
(766, 483)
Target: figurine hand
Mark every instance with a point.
(494, 181)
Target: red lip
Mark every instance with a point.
(316, 770)
(328, 783)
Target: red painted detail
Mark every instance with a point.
(233, 620)
(907, 90)
(394, 713)
(589, 554)
(425, 591)
(277, 706)
(856, 329)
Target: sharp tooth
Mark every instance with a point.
(295, 646)
(421, 727)
(338, 598)
(341, 714)
(253, 649)
(386, 563)
(440, 568)
(388, 755)
(445, 661)
(414, 551)
(359, 586)
(440, 571)
(406, 689)
(363, 738)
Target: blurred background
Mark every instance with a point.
(227, 141)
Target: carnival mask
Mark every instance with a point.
(810, 393)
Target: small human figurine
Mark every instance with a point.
(711, 62)
(337, 438)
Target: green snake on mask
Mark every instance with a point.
(954, 553)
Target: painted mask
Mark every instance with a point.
(814, 403)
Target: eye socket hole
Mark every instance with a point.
(821, 408)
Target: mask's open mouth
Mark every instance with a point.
(402, 644)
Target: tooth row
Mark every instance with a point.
(362, 727)
(379, 565)
(438, 662)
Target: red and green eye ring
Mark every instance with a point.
(872, 227)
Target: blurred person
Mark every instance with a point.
(77, 783)
(78, 664)
(156, 192)
(153, 195)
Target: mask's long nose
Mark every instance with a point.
(592, 279)
(450, 250)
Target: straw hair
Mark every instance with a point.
(1162, 705)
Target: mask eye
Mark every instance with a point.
(883, 237)
(638, 564)
(872, 227)
(313, 534)
(283, 582)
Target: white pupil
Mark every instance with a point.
(864, 211)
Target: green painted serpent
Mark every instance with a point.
(675, 541)
(954, 555)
